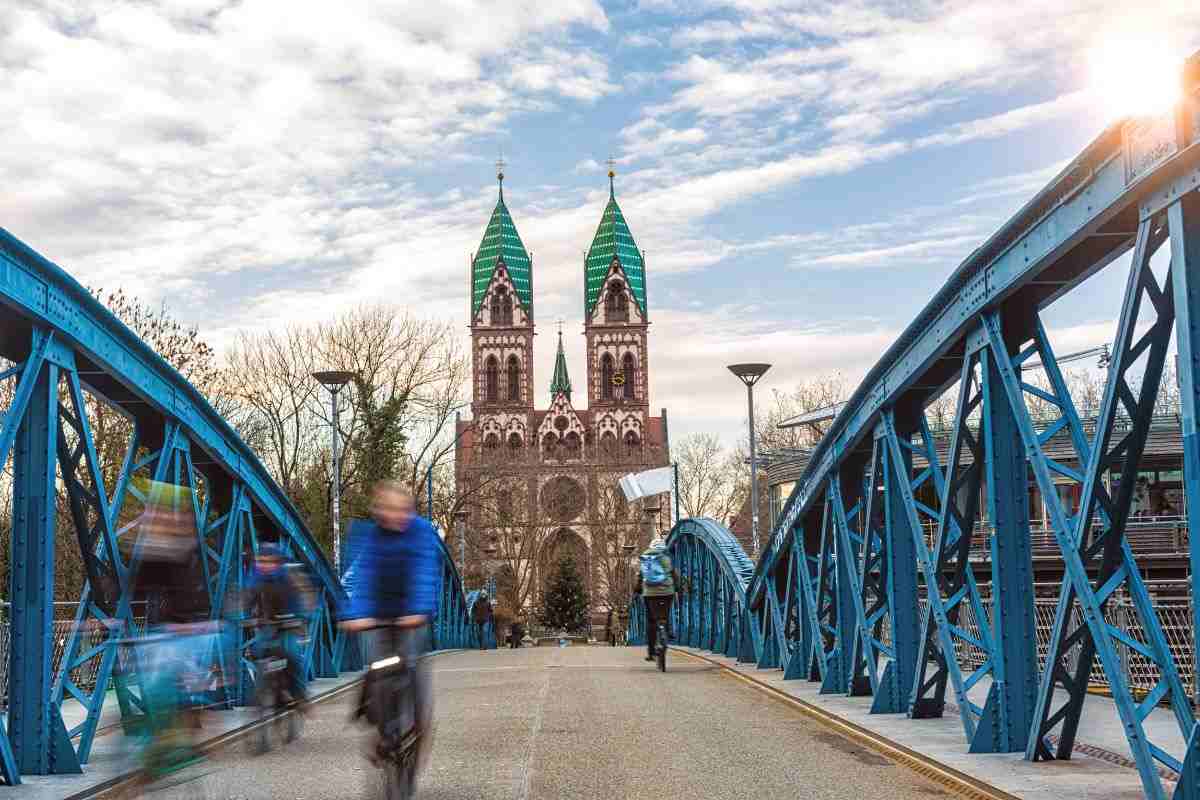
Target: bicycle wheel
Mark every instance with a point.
(399, 780)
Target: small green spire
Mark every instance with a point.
(561, 381)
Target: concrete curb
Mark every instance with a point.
(959, 782)
(116, 785)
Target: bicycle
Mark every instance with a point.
(389, 702)
(662, 645)
(273, 691)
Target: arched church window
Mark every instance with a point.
(573, 444)
(514, 446)
(502, 310)
(606, 377)
(504, 505)
(616, 306)
(491, 447)
(491, 380)
(549, 445)
(629, 370)
(632, 444)
(514, 379)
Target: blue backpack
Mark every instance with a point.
(653, 571)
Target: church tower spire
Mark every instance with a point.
(502, 327)
(616, 320)
(561, 382)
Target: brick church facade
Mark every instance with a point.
(542, 481)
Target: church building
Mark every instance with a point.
(541, 480)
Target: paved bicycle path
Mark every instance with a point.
(583, 722)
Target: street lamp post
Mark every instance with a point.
(334, 380)
(650, 515)
(460, 531)
(749, 375)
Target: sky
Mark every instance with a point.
(803, 176)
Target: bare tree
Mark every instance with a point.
(812, 394)
(508, 531)
(277, 397)
(410, 376)
(713, 481)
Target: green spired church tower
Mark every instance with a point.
(541, 483)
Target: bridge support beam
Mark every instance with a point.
(899, 565)
(1004, 726)
(39, 739)
(1184, 222)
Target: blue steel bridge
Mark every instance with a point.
(848, 594)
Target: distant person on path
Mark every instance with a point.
(610, 635)
(481, 612)
(516, 634)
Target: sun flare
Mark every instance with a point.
(1134, 74)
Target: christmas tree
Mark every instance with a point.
(565, 606)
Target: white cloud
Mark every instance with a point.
(255, 166)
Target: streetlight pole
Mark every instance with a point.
(460, 531)
(334, 380)
(749, 375)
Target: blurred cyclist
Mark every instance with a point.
(282, 595)
(392, 583)
(178, 651)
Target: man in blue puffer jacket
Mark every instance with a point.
(393, 583)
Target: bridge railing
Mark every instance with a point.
(72, 360)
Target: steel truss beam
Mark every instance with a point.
(1093, 541)
(833, 561)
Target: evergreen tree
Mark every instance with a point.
(565, 605)
(381, 448)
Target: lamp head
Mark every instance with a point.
(334, 379)
(749, 373)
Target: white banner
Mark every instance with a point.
(643, 484)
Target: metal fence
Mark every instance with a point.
(85, 676)
(1142, 674)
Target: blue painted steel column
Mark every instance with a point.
(1012, 698)
(35, 727)
(901, 564)
(1184, 220)
(844, 489)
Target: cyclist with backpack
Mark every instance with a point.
(657, 583)
(282, 595)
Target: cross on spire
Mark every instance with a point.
(500, 164)
(612, 173)
(560, 324)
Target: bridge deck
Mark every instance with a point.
(585, 722)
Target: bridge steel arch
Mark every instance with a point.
(834, 595)
(68, 355)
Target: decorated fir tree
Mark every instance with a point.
(565, 606)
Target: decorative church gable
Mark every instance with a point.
(616, 303)
(562, 432)
(501, 305)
